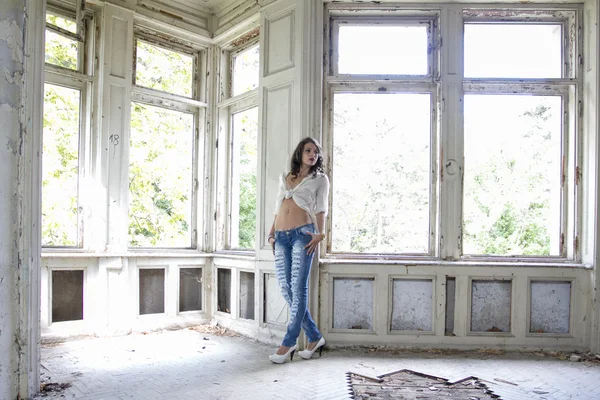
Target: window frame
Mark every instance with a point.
(82, 80)
(363, 83)
(569, 87)
(451, 87)
(81, 38)
(430, 20)
(227, 106)
(390, 88)
(195, 105)
(232, 56)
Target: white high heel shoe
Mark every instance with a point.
(307, 354)
(280, 358)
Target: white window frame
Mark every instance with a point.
(195, 105)
(568, 87)
(81, 79)
(448, 90)
(409, 84)
(227, 106)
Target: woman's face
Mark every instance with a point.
(310, 155)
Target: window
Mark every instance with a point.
(405, 49)
(66, 108)
(238, 144)
(62, 46)
(151, 64)
(60, 193)
(243, 178)
(518, 122)
(387, 198)
(166, 116)
(244, 70)
(382, 129)
(474, 140)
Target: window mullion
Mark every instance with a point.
(452, 135)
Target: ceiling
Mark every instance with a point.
(213, 5)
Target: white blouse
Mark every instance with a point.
(311, 194)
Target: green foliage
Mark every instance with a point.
(164, 70)
(381, 174)
(60, 166)
(512, 198)
(60, 50)
(247, 220)
(245, 71)
(61, 22)
(160, 177)
(245, 125)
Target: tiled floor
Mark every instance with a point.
(190, 364)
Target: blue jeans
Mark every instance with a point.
(292, 266)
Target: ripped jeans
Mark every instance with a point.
(292, 266)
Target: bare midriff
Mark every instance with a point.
(290, 216)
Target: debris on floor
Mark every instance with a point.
(213, 329)
(53, 387)
(415, 385)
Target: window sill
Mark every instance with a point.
(235, 255)
(189, 253)
(251, 256)
(456, 263)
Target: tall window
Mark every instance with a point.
(68, 80)
(238, 144)
(244, 127)
(516, 133)
(476, 139)
(166, 117)
(382, 130)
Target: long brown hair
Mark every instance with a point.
(296, 161)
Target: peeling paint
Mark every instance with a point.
(248, 37)
(550, 307)
(12, 34)
(491, 306)
(11, 62)
(10, 122)
(12, 24)
(353, 303)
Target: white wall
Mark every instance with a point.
(292, 80)
(11, 62)
(20, 93)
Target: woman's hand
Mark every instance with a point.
(314, 242)
(272, 242)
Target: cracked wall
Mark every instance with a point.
(12, 20)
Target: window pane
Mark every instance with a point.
(513, 51)
(378, 50)
(160, 177)
(381, 180)
(60, 166)
(61, 22)
(243, 179)
(162, 69)
(60, 50)
(512, 175)
(245, 71)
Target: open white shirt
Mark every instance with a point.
(311, 194)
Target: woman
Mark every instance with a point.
(300, 212)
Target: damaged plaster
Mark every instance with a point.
(12, 22)
(11, 61)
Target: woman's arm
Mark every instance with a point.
(271, 237)
(321, 224)
(316, 237)
(278, 201)
(321, 205)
